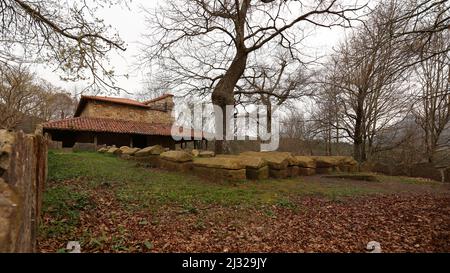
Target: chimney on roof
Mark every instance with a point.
(168, 103)
(165, 102)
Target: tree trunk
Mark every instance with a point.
(358, 135)
(269, 116)
(223, 94)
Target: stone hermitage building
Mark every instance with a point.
(117, 121)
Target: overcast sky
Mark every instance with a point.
(130, 23)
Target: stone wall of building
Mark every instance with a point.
(165, 103)
(23, 172)
(100, 109)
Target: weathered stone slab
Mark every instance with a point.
(257, 174)
(229, 163)
(195, 153)
(279, 174)
(306, 171)
(325, 161)
(293, 171)
(253, 162)
(125, 150)
(256, 167)
(206, 154)
(221, 168)
(346, 164)
(112, 150)
(152, 150)
(328, 170)
(278, 161)
(292, 160)
(348, 168)
(177, 156)
(125, 157)
(219, 174)
(173, 166)
(151, 161)
(102, 150)
(335, 162)
(347, 160)
(305, 161)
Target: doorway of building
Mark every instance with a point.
(139, 141)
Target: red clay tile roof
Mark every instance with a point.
(124, 101)
(86, 124)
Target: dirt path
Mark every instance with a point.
(388, 184)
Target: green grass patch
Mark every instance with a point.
(64, 204)
(141, 188)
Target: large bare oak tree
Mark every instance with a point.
(216, 38)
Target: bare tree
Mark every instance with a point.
(208, 43)
(24, 96)
(151, 90)
(418, 22)
(66, 34)
(432, 109)
(18, 95)
(370, 79)
(273, 85)
(423, 17)
(328, 113)
(54, 103)
(294, 126)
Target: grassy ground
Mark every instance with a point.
(111, 205)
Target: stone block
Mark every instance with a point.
(220, 163)
(279, 174)
(173, 166)
(112, 150)
(195, 153)
(305, 161)
(339, 163)
(348, 168)
(307, 171)
(151, 161)
(102, 150)
(125, 150)
(177, 156)
(293, 171)
(219, 174)
(257, 174)
(206, 154)
(324, 170)
(256, 167)
(152, 150)
(278, 161)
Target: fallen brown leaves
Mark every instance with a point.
(401, 223)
